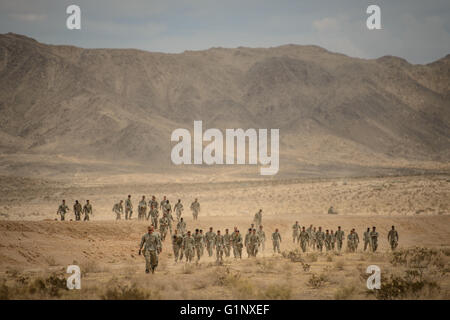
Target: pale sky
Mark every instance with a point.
(416, 30)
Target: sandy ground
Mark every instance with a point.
(33, 245)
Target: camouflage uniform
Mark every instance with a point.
(154, 216)
(77, 210)
(262, 239)
(189, 247)
(313, 239)
(257, 220)
(195, 207)
(181, 226)
(210, 238)
(247, 244)
(87, 210)
(118, 210)
(236, 239)
(178, 207)
(276, 239)
(393, 238)
(304, 236)
(327, 241)
(163, 225)
(309, 231)
(374, 240)
(142, 209)
(62, 210)
(177, 243)
(227, 241)
(339, 239)
(253, 244)
(366, 237)
(128, 209)
(333, 239)
(152, 247)
(320, 237)
(154, 203)
(356, 241)
(220, 244)
(168, 214)
(198, 240)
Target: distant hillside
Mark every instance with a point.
(110, 108)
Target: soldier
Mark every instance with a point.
(262, 238)
(366, 237)
(295, 231)
(177, 243)
(87, 210)
(203, 241)
(142, 209)
(304, 236)
(181, 226)
(62, 210)
(276, 240)
(356, 237)
(393, 238)
(257, 220)
(247, 242)
(333, 239)
(313, 239)
(339, 238)
(77, 210)
(118, 209)
(237, 244)
(153, 213)
(152, 247)
(351, 241)
(219, 242)
(163, 203)
(178, 207)
(189, 247)
(327, 240)
(374, 239)
(309, 230)
(227, 241)
(210, 238)
(195, 207)
(320, 238)
(154, 203)
(254, 243)
(128, 208)
(198, 240)
(163, 226)
(167, 211)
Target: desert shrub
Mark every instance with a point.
(317, 281)
(329, 258)
(293, 255)
(345, 292)
(129, 292)
(412, 285)
(90, 266)
(276, 292)
(51, 261)
(418, 258)
(50, 286)
(4, 291)
(226, 277)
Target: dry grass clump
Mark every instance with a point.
(345, 292)
(276, 292)
(317, 281)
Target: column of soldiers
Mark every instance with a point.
(63, 209)
(316, 239)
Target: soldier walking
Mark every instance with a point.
(77, 210)
(393, 238)
(177, 243)
(374, 239)
(118, 209)
(339, 238)
(178, 207)
(195, 207)
(62, 210)
(153, 213)
(163, 226)
(210, 238)
(142, 209)
(366, 237)
(304, 237)
(262, 238)
(87, 210)
(327, 240)
(236, 238)
(128, 208)
(320, 238)
(198, 241)
(181, 225)
(189, 247)
(152, 248)
(276, 240)
(227, 241)
(220, 244)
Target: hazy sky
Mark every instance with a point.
(416, 30)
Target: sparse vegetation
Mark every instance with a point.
(317, 281)
(345, 292)
(129, 292)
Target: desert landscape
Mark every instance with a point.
(35, 250)
(369, 137)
